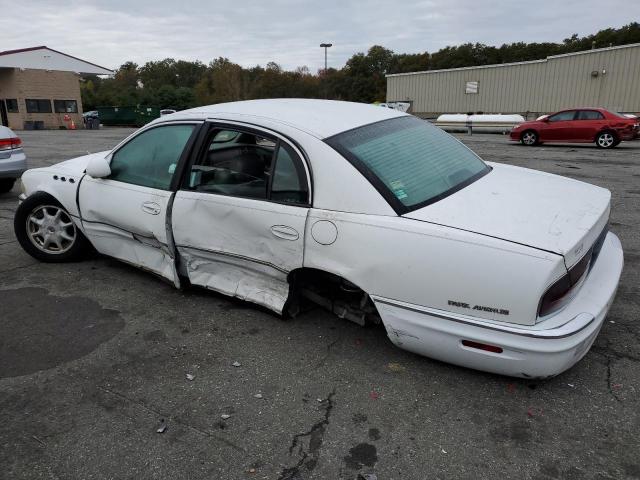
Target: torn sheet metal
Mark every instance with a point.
(239, 246)
(258, 283)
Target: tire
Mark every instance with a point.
(6, 184)
(529, 138)
(606, 139)
(46, 231)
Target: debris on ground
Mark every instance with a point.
(225, 416)
(373, 395)
(162, 428)
(367, 476)
(258, 395)
(236, 364)
(395, 367)
(190, 376)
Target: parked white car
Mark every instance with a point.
(370, 212)
(12, 159)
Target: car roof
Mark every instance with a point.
(320, 118)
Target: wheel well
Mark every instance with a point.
(332, 292)
(606, 130)
(529, 130)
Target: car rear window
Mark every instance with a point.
(411, 162)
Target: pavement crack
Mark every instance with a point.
(316, 437)
(19, 267)
(613, 394)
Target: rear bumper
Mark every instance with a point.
(12, 164)
(543, 350)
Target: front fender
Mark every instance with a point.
(61, 186)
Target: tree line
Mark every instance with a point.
(181, 84)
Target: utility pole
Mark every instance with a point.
(325, 46)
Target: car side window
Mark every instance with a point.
(589, 115)
(563, 116)
(234, 163)
(245, 164)
(149, 159)
(289, 183)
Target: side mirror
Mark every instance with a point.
(98, 167)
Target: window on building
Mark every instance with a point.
(471, 87)
(38, 105)
(65, 106)
(12, 105)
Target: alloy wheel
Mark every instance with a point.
(51, 229)
(606, 140)
(529, 138)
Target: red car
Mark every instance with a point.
(582, 125)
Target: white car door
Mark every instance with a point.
(125, 214)
(239, 218)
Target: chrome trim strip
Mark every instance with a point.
(541, 334)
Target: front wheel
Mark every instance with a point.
(606, 140)
(529, 138)
(46, 231)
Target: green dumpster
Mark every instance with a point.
(127, 115)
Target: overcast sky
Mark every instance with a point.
(251, 32)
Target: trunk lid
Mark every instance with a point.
(533, 208)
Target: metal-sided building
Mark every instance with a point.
(604, 77)
(40, 88)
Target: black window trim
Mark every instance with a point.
(6, 103)
(38, 100)
(253, 129)
(65, 105)
(399, 207)
(184, 156)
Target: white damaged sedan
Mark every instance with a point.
(374, 214)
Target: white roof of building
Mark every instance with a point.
(320, 118)
(45, 58)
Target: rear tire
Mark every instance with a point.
(606, 139)
(529, 138)
(46, 231)
(6, 184)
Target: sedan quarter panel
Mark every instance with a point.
(435, 266)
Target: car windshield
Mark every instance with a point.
(411, 162)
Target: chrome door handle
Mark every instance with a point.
(152, 208)
(283, 231)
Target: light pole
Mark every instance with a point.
(325, 46)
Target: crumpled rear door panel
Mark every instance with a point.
(238, 246)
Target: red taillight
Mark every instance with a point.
(10, 143)
(482, 346)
